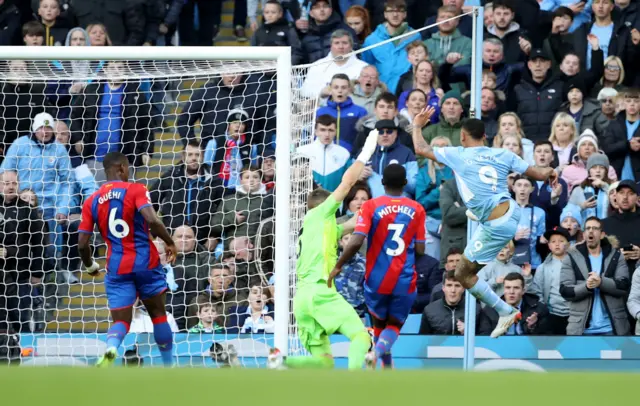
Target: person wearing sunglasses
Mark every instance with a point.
(607, 98)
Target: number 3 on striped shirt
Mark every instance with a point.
(115, 223)
(397, 231)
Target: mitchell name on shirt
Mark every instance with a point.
(397, 209)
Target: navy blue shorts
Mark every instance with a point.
(123, 290)
(397, 306)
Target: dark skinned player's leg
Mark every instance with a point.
(121, 322)
(161, 329)
(385, 334)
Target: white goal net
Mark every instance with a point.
(202, 136)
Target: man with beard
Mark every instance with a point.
(624, 225)
(595, 280)
(516, 45)
(188, 194)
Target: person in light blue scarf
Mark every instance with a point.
(592, 196)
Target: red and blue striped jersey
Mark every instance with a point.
(392, 225)
(115, 209)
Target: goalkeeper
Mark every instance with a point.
(319, 310)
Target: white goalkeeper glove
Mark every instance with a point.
(93, 269)
(369, 147)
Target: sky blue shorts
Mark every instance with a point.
(492, 236)
(123, 290)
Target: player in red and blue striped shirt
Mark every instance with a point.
(124, 216)
(395, 228)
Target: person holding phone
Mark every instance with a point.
(625, 224)
(592, 195)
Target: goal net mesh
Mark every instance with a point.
(201, 136)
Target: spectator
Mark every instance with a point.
(592, 195)
(430, 178)
(633, 303)
(623, 224)
(98, 35)
(21, 254)
(416, 52)
(550, 200)
(614, 207)
(564, 133)
(509, 125)
(207, 320)
(63, 136)
(580, 10)
(425, 79)
(329, 161)
(450, 119)
(112, 115)
(429, 275)
(586, 113)
(465, 25)
(504, 27)
(416, 103)
(546, 282)
(448, 44)
(613, 77)
(576, 172)
(17, 93)
(391, 58)
(33, 34)
(367, 88)
(514, 144)
(390, 150)
(357, 17)
(621, 141)
(453, 257)
(341, 106)
(607, 99)
(537, 97)
(446, 316)
(141, 321)
(188, 193)
(570, 68)
(153, 12)
(571, 220)
(55, 29)
(595, 281)
(169, 24)
(9, 24)
(319, 76)
(245, 266)
(454, 219)
(385, 108)
(238, 150)
(191, 269)
(602, 28)
(257, 318)
(489, 113)
(317, 42)
(531, 226)
(350, 283)
(556, 45)
(43, 166)
(494, 272)
(535, 315)
(220, 293)
(124, 21)
(276, 31)
(239, 214)
(268, 168)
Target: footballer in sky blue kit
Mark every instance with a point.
(481, 177)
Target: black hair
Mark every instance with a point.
(326, 120)
(33, 28)
(593, 218)
(453, 251)
(449, 276)
(193, 142)
(543, 142)
(474, 127)
(340, 76)
(522, 177)
(394, 176)
(504, 4)
(360, 185)
(514, 276)
(114, 158)
(563, 11)
(388, 98)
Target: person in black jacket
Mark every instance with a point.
(624, 224)
(277, 32)
(514, 39)
(316, 44)
(621, 140)
(537, 97)
(188, 194)
(22, 238)
(429, 275)
(535, 314)
(124, 20)
(10, 24)
(446, 316)
(132, 130)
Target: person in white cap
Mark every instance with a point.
(43, 166)
(576, 172)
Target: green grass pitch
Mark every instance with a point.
(185, 386)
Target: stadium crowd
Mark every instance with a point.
(558, 88)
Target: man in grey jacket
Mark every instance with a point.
(595, 280)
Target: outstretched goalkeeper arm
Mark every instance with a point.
(352, 174)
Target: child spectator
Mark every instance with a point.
(55, 30)
(546, 282)
(495, 271)
(576, 172)
(586, 113)
(98, 35)
(258, 318)
(592, 195)
(33, 34)
(268, 169)
(532, 225)
(571, 220)
(276, 31)
(350, 283)
(207, 320)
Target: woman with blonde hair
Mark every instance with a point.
(564, 132)
(425, 78)
(510, 124)
(612, 77)
(430, 177)
(98, 35)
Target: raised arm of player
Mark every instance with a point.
(421, 146)
(542, 174)
(352, 174)
(353, 246)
